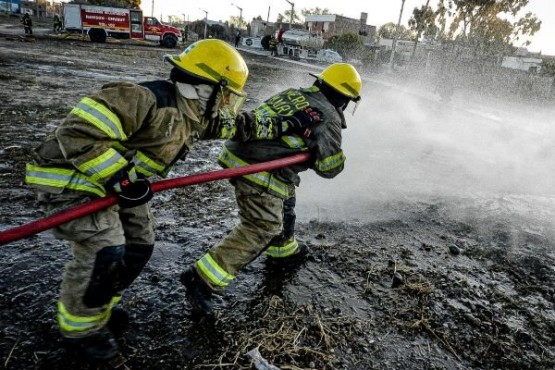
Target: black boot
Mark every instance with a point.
(273, 259)
(118, 323)
(198, 293)
(290, 261)
(99, 346)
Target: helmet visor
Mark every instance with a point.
(231, 101)
(352, 108)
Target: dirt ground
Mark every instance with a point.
(421, 287)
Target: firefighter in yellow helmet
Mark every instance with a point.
(266, 200)
(112, 142)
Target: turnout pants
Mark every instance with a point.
(261, 217)
(110, 249)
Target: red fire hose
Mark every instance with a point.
(96, 205)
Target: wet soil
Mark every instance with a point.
(417, 281)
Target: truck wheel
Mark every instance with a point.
(169, 41)
(97, 35)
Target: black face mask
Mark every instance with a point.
(337, 99)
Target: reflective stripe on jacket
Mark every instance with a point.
(327, 157)
(150, 124)
(262, 179)
(55, 177)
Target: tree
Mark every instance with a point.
(388, 30)
(345, 44)
(237, 23)
(423, 22)
(487, 21)
(350, 46)
(286, 17)
(548, 67)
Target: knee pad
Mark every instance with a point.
(134, 260)
(137, 255)
(106, 273)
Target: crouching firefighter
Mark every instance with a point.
(112, 142)
(266, 200)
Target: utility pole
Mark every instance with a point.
(292, 13)
(240, 14)
(396, 36)
(152, 9)
(205, 22)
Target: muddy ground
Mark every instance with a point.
(411, 277)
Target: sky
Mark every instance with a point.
(379, 12)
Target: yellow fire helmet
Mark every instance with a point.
(343, 78)
(215, 61)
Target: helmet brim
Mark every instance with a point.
(170, 59)
(320, 77)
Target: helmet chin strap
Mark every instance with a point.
(211, 103)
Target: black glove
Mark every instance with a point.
(131, 188)
(301, 122)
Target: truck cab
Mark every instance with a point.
(154, 30)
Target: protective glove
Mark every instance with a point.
(131, 188)
(301, 122)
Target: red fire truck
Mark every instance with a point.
(99, 22)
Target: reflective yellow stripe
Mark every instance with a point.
(147, 166)
(62, 178)
(266, 120)
(101, 117)
(227, 122)
(331, 162)
(73, 323)
(283, 251)
(294, 141)
(119, 147)
(264, 179)
(218, 77)
(103, 166)
(213, 272)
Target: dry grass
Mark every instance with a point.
(289, 339)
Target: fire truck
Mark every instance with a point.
(100, 22)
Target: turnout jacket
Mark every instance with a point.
(327, 158)
(150, 124)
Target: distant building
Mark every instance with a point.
(35, 8)
(261, 28)
(10, 6)
(527, 64)
(215, 23)
(400, 46)
(329, 25)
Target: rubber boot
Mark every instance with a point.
(291, 260)
(198, 293)
(99, 346)
(118, 323)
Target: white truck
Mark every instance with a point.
(300, 44)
